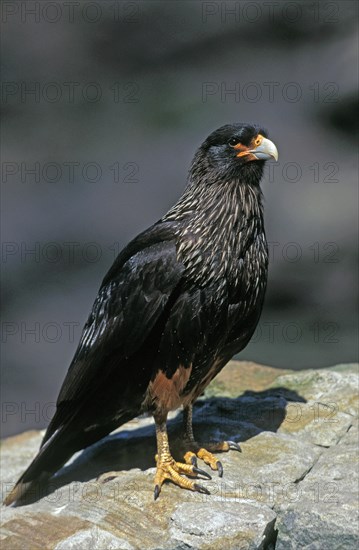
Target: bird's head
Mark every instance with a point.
(234, 150)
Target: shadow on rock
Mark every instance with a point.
(214, 419)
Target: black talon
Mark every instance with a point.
(201, 489)
(156, 492)
(202, 472)
(234, 446)
(219, 468)
(194, 461)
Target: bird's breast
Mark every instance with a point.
(235, 253)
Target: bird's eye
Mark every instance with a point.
(233, 141)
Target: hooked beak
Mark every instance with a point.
(265, 151)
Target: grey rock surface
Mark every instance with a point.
(295, 484)
(325, 502)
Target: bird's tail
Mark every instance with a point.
(57, 447)
(50, 458)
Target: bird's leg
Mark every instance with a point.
(168, 468)
(196, 450)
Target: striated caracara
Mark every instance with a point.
(179, 301)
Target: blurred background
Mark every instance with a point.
(103, 106)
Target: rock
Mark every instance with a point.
(294, 485)
(230, 524)
(88, 539)
(323, 510)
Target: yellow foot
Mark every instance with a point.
(172, 470)
(207, 456)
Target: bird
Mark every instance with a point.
(180, 300)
